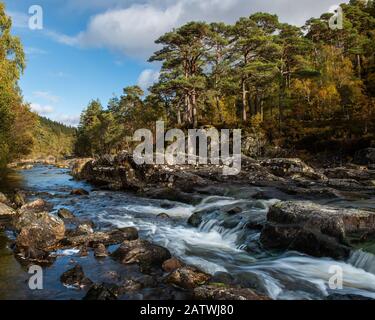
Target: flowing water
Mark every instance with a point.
(213, 246)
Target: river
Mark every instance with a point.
(212, 247)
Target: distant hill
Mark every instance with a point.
(53, 138)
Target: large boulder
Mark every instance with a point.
(315, 229)
(214, 292)
(141, 252)
(39, 230)
(365, 156)
(188, 277)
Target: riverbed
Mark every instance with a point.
(213, 247)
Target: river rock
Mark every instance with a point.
(172, 264)
(100, 251)
(75, 277)
(3, 198)
(141, 252)
(107, 238)
(188, 277)
(39, 230)
(65, 214)
(38, 205)
(213, 292)
(79, 192)
(284, 167)
(314, 229)
(77, 167)
(6, 214)
(100, 292)
(365, 156)
(19, 199)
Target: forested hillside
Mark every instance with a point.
(52, 138)
(309, 89)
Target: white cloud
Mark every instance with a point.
(147, 78)
(131, 28)
(46, 96)
(42, 110)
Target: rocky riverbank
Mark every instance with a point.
(290, 225)
(272, 206)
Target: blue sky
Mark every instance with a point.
(92, 49)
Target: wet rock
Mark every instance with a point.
(284, 167)
(100, 292)
(234, 211)
(6, 214)
(141, 252)
(78, 165)
(212, 292)
(38, 205)
(172, 264)
(188, 277)
(359, 173)
(222, 277)
(39, 230)
(79, 192)
(163, 216)
(65, 214)
(107, 238)
(195, 219)
(76, 227)
(100, 251)
(83, 251)
(3, 198)
(19, 199)
(32, 255)
(314, 229)
(75, 277)
(365, 156)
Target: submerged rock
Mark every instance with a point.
(141, 252)
(213, 292)
(314, 229)
(188, 277)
